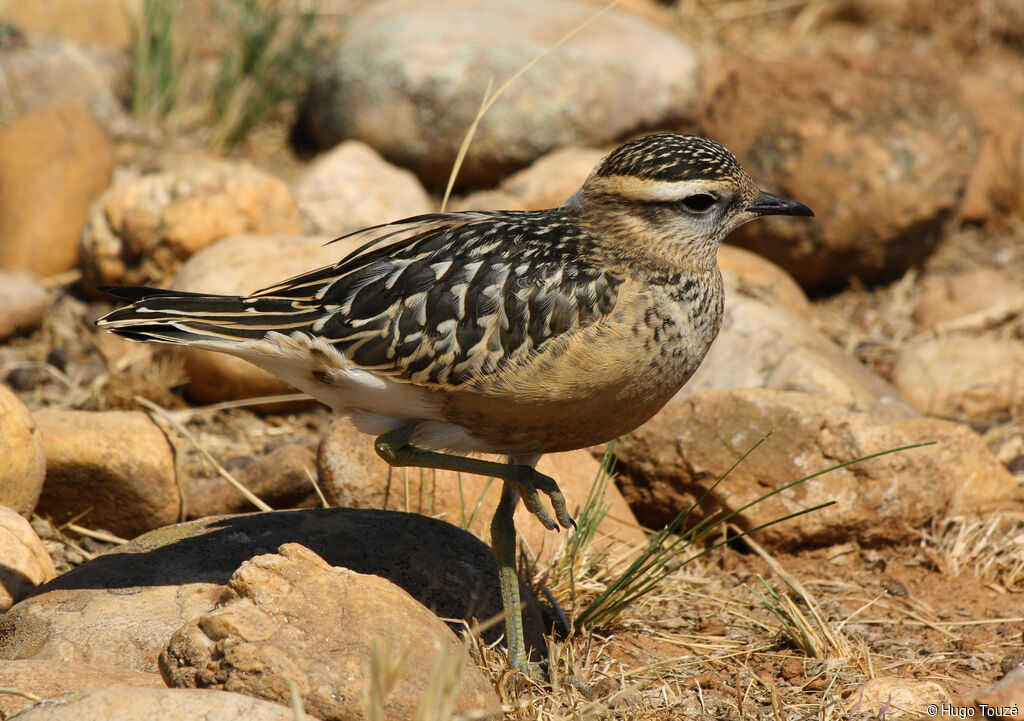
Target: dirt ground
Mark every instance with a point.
(947, 608)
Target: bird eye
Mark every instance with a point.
(698, 202)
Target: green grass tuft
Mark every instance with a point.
(667, 550)
(271, 51)
(158, 61)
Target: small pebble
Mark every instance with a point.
(59, 359)
(42, 528)
(897, 589)
(1012, 661)
(237, 463)
(23, 378)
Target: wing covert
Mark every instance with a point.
(456, 302)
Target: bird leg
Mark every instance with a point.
(503, 543)
(519, 480)
(395, 448)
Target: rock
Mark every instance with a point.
(47, 679)
(767, 341)
(1006, 694)
(23, 303)
(351, 187)
(881, 148)
(60, 152)
(754, 276)
(351, 474)
(271, 627)
(124, 703)
(676, 456)
(21, 446)
(241, 265)
(128, 602)
(24, 562)
(103, 23)
(949, 298)
(118, 466)
(408, 80)
(279, 478)
(139, 231)
(43, 72)
(996, 185)
(547, 183)
(883, 693)
(975, 380)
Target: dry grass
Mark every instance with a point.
(988, 549)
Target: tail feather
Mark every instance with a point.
(167, 316)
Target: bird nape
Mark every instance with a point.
(518, 333)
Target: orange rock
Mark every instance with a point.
(117, 465)
(47, 679)
(288, 613)
(678, 454)
(140, 231)
(24, 458)
(25, 561)
(879, 147)
(60, 153)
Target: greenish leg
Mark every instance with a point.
(520, 480)
(503, 542)
(394, 447)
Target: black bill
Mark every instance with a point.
(769, 204)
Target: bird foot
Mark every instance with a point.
(528, 481)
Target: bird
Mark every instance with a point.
(517, 333)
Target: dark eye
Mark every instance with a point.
(699, 202)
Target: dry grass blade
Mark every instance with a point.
(295, 701)
(98, 535)
(442, 691)
(815, 635)
(316, 488)
(992, 549)
(381, 674)
(18, 692)
(246, 493)
(188, 413)
(489, 100)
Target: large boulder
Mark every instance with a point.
(678, 455)
(239, 265)
(352, 474)
(351, 187)
(281, 622)
(121, 608)
(409, 77)
(46, 679)
(24, 562)
(127, 703)
(881, 148)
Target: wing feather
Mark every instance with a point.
(437, 300)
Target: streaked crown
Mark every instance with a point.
(672, 157)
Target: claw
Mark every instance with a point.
(528, 482)
(533, 505)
